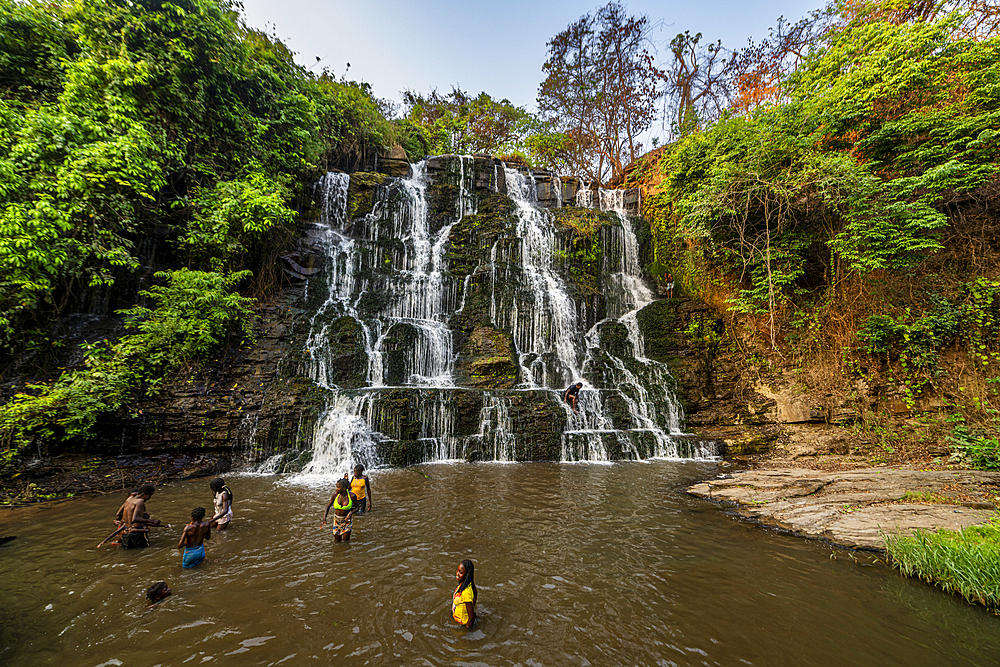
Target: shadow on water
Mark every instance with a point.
(576, 564)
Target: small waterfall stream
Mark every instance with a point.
(388, 308)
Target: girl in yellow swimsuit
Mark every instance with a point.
(343, 503)
(463, 602)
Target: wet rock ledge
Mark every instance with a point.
(855, 508)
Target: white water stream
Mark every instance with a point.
(388, 274)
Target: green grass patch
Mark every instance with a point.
(966, 562)
(928, 497)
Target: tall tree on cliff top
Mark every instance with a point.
(600, 91)
(697, 81)
(760, 69)
(457, 122)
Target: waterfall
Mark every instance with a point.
(540, 314)
(390, 319)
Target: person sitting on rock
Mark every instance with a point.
(571, 395)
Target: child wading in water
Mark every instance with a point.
(193, 538)
(223, 504)
(361, 487)
(343, 503)
(463, 602)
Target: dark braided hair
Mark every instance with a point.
(469, 578)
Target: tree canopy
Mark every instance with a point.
(150, 145)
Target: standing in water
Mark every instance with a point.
(343, 503)
(571, 394)
(463, 602)
(121, 510)
(136, 519)
(223, 504)
(361, 487)
(193, 538)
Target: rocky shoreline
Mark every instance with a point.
(854, 508)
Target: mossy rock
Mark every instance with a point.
(751, 445)
(538, 419)
(361, 193)
(614, 339)
(662, 329)
(487, 360)
(472, 236)
(397, 349)
(582, 253)
(400, 453)
(474, 314)
(344, 347)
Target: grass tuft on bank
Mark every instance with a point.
(966, 562)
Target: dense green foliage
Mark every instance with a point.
(437, 124)
(835, 166)
(194, 310)
(125, 121)
(815, 209)
(965, 562)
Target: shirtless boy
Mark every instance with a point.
(193, 538)
(136, 518)
(121, 510)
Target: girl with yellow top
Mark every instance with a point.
(361, 487)
(343, 503)
(463, 602)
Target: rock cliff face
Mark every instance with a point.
(470, 308)
(259, 400)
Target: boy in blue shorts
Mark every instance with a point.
(193, 538)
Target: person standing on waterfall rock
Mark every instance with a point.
(669, 280)
(572, 394)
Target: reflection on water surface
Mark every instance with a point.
(575, 565)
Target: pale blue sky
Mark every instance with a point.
(496, 47)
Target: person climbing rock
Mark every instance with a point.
(571, 395)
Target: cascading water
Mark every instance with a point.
(385, 275)
(395, 317)
(540, 313)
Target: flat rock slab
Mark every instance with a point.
(855, 508)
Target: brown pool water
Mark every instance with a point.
(576, 564)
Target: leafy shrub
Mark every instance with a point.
(194, 310)
(977, 448)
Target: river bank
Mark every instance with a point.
(854, 508)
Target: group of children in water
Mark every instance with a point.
(351, 497)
